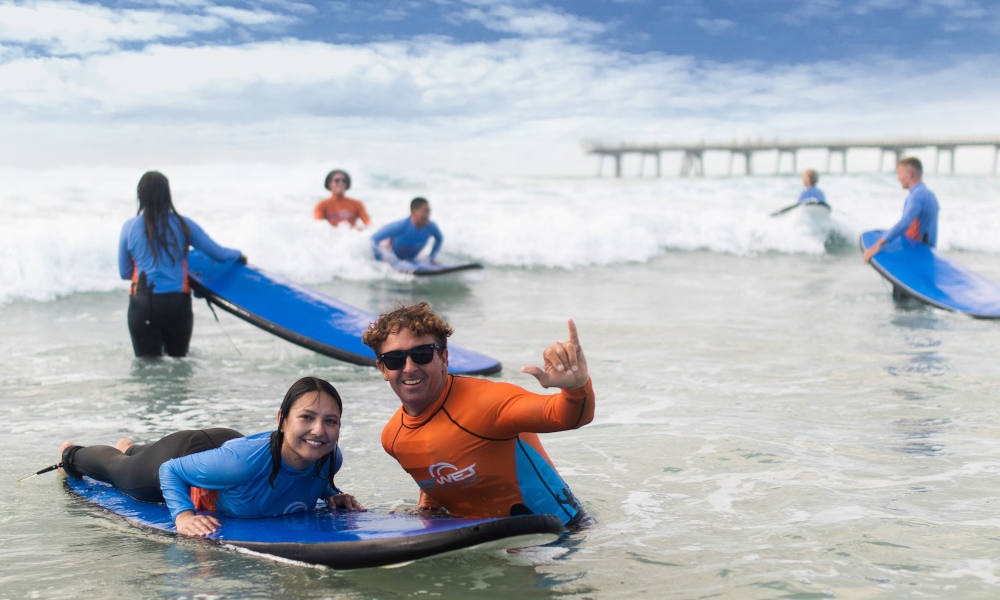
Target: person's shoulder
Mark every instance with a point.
(132, 223)
(395, 419)
(392, 427)
(921, 190)
(249, 454)
(402, 223)
(250, 444)
(478, 387)
(191, 223)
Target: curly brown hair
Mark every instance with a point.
(418, 318)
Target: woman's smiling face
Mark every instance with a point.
(311, 430)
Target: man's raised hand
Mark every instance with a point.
(564, 364)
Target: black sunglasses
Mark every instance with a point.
(395, 360)
(338, 180)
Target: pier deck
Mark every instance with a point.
(692, 160)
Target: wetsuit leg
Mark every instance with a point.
(146, 339)
(900, 295)
(175, 320)
(137, 472)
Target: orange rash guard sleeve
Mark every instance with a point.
(540, 413)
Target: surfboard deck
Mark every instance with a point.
(301, 315)
(424, 269)
(339, 539)
(930, 277)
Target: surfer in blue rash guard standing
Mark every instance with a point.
(920, 211)
(409, 236)
(152, 253)
(266, 474)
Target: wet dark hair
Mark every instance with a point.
(417, 203)
(347, 179)
(155, 205)
(299, 388)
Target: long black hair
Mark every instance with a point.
(156, 205)
(300, 387)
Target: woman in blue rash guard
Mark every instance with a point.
(152, 253)
(266, 474)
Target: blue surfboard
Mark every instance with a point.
(337, 538)
(423, 269)
(302, 316)
(930, 277)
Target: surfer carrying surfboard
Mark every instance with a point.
(920, 211)
(266, 474)
(407, 237)
(471, 444)
(153, 254)
(338, 208)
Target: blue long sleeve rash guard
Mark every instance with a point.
(136, 256)
(239, 470)
(813, 194)
(921, 205)
(407, 239)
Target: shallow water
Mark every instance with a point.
(769, 423)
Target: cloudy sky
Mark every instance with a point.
(505, 86)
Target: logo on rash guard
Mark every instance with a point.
(294, 507)
(446, 475)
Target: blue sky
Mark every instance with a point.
(474, 86)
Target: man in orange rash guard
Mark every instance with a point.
(471, 444)
(338, 207)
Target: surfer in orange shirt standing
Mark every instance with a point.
(339, 208)
(471, 444)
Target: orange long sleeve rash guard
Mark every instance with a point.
(476, 453)
(337, 209)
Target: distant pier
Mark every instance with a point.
(692, 154)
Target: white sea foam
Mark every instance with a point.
(62, 226)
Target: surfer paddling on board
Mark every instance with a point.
(812, 193)
(407, 237)
(338, 208)
(471, 444)
(920, 211)
(261, 475)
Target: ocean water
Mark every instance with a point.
(769, 423)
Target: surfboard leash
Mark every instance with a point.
(224, 332)
(45, 470)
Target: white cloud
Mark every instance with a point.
(543, 21)
(74, 28)
(519, 105)
(818, 10)
(715, 26)
(249, 17)
(64, 28)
